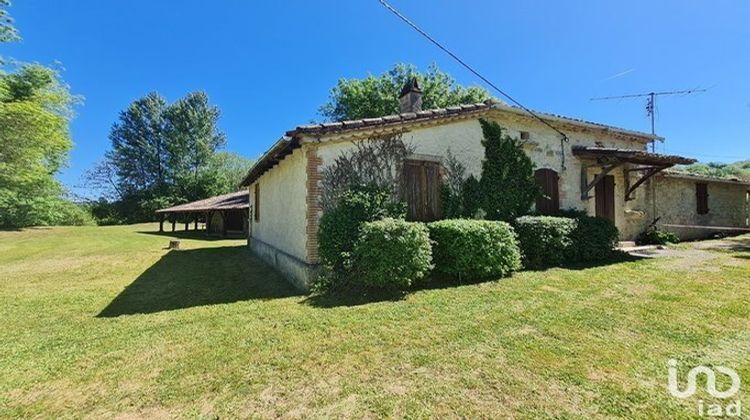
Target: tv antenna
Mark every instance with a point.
(650, 103)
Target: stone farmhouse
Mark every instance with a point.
(603, 170)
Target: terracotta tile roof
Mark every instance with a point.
(430, 114)
(232, 201)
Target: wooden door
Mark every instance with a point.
(420, 189)
(548, 202)
(605, 198)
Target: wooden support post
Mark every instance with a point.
(223, 224)
(195, 227)
(586, 186)
(649, 172)
(187, 226)
(174, 221)
(161, 222)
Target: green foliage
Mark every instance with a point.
(8, 32)
(340, 227)
(654, 236)
(474, 249)
(740, 169)
(391, 254)
(376, 96)
(545, 241)
(594, 239)
(508, 187)
(471, 197)
(35, 111)
(163, 154)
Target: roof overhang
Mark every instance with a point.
(283, 147)
(609, 158)
(612, 155)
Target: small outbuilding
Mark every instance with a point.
(223, 215)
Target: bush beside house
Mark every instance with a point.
(594, 239)
(340, 225)
(391, 254)
(545, 240)
(653, 236)
(474, 249)
(551, 241)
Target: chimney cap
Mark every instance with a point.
(412, 85)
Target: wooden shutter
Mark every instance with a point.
(605, 198)
(701, 193)
(549, 202)
(256, 206)
(420, 189)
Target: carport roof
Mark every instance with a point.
(233, 201)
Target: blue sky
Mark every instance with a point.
(269, 65)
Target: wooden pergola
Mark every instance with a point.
(610, 158)
(228, 206)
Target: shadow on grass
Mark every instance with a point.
(199, 235)
(197, 277)
(356, 296)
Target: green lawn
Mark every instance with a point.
(103, 322)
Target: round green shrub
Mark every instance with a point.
(474, 249)
(391, 254)
(545, 241)
(594, 239)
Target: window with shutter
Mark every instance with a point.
(420, 189)
(701, 192)
(548, 202)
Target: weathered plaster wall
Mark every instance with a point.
(463, 138)
(677, 204)
(282, 206)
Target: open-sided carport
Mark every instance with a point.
(223, 215)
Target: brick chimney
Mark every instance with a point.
(411, 97)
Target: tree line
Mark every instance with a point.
(160, 153)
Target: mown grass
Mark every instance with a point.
(103, 322)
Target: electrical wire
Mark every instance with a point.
(468, 67)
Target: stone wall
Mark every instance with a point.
(677, 204)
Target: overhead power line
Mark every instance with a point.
(470, 68)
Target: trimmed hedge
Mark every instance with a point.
(391, 254)
(594, 239)
(545, 240)
(474, 249)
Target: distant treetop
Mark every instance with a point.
(376, 96)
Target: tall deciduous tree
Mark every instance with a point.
(507, 184)
(139, 150)
(375, 96)
(35, 111)
(164, 154)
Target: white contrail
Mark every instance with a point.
(620, 74)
